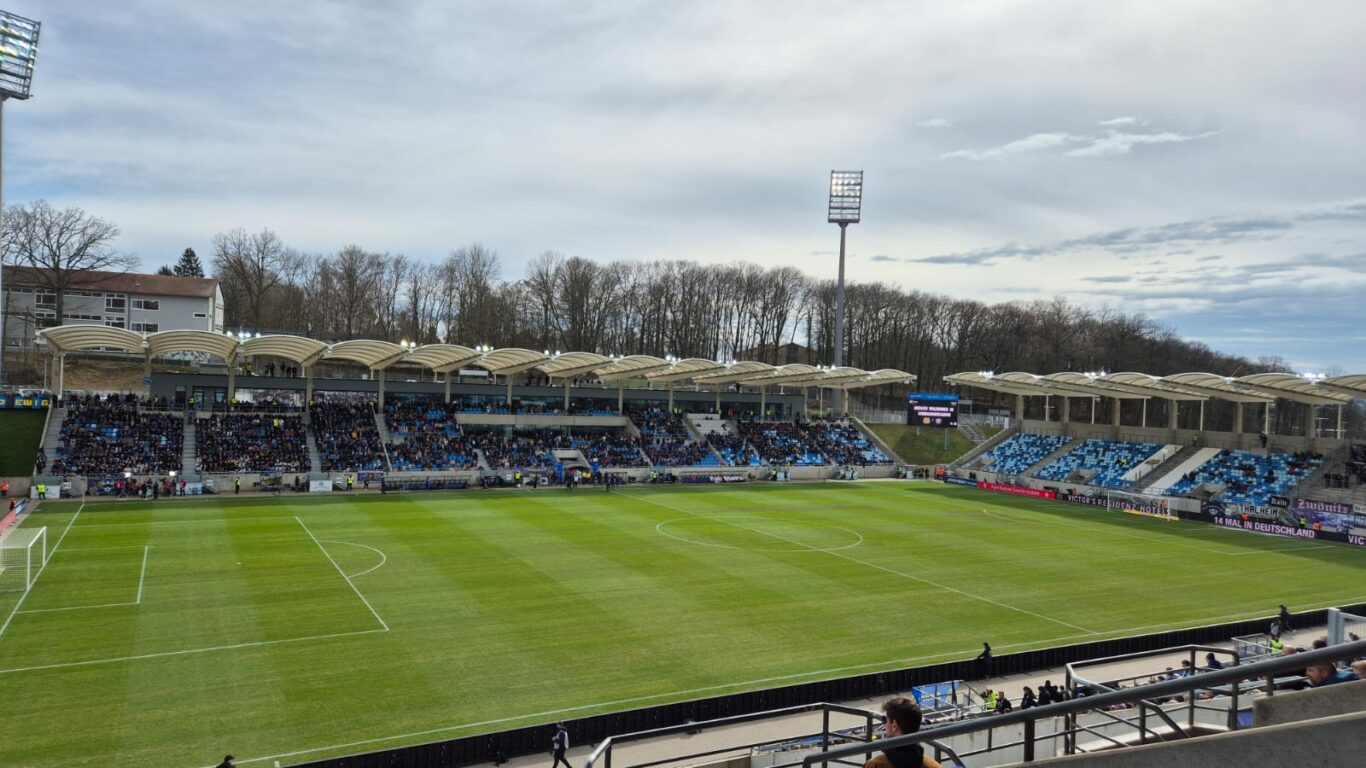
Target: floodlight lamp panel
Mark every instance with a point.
(846, 197)
(18, 54)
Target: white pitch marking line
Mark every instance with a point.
(349, 583)
(101, 549)
(76, 608)
(164, 654)
(41, 568)
(883, 568)
(383, 558)
(818, 674)
(1286, 549)
(142, 576)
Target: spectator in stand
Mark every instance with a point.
(1326, 673)
(115, 435)
(1027, 699)
(346, 435)
(903, 718)
(242, 442)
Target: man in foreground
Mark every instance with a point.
(903, 717)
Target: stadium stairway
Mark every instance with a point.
(1060, 452)
(1161, 470)
(383, 430)
(188, 451)
(315, 459)
(982, 448)
(1174, 475)
(52, 437)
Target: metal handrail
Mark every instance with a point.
(1263, 669)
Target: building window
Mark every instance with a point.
(112, 302)
(45, 299)
(73, 316)
(148, 304)
(113, 323)
(146, 327)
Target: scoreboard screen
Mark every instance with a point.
(932, 409)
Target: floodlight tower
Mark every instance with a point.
(846, 203)
(18, 53)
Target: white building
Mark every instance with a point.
(144, 303)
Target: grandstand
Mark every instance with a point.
(251, 443)
(114, 436)
(346, 436)
(426, 437)
(1022, 451)
(1101, 462)
(782, 443)
(1243, 477)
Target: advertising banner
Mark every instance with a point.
(960, 481)
(718, 477)
(22, 402)
(1331, 515)
(319, 486)
(1018, 490)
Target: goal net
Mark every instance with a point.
(22, 554)
(1143, 504)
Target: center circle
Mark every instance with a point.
(761, 534)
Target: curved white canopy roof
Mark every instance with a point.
(167, 342)
(375, 355)
(441, 358)
(70, 338)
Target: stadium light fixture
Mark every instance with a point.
(18, 55)
(846, 207)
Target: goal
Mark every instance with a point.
(22, 554)
(1143, 504)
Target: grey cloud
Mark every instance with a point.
(935, 122)
(1083, 145)
(1116, 143)
(1109, 279)
(1215, 257)
(1120, 121)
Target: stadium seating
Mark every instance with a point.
(106, 437)
(608, 449)
(346, 436)
(667, 443)
(844, 444)
(526, 450)
(733, 449)
(782, 442)
(1249, 478)
(425, 437)
(245, 442)
(1110, 459)
(1022, 451)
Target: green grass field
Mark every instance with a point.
(168, 634)
(20, 433)
(921, 445)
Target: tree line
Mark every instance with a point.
(683, 308)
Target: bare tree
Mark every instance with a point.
(60, 244)
(248, 266)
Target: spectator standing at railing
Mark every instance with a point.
(559, 744)
(903, 718)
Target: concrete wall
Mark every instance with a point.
(1297, 706)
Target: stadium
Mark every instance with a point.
(352, 510)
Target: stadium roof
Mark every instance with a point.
(375, 355)
(1256, 388)
(441, 358)
(70, 338)
(632, 366)
(294, 348)
(505, 362)
(573, 364)
(166, 342)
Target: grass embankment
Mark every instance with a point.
(20, 432)
(921, 445)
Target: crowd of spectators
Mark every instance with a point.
(844, 444)
(781, 442)
(112, 436)
(733, 449)
(532, 449)
(1249, 478)
(667, 442)
(346, 436)
(608, 449)
(426, 437)
(1354, 470)
(245, 442)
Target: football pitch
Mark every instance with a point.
(298, 628)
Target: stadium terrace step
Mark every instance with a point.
(188, 451)
(872, 437)
(315, 459)
(52, 437)
(1057, 453)
(1172, 477)
(383, 430)
(1161, 470)
(982, 448)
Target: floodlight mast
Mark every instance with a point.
(846, 204)
(18, 54)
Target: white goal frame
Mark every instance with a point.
(1144, 504)
(23, 553)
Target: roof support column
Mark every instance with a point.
(1202, 417)
(1238, 409)
(308, 384)
(763, 409)
(1143, 421)
(718, 399)
(61, 371)
(1114, 420)
(448, 386)
(1311, 423)
(1173, 408)
(1339, 421)
(671, 397)
(1266, 419)
(508, 397)
(147, 373)
(1065, 414)
(621, 398)
(566, 396)
(1019, 410)
(1094, 400)
(232, 379)
(381, 386)
(1047, 408)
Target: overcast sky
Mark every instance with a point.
(1199, 161)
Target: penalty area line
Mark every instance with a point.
(349, 583)
(14, 611)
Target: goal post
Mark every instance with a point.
(1144, 504)
(22, 554)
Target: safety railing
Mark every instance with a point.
(1229, 678)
